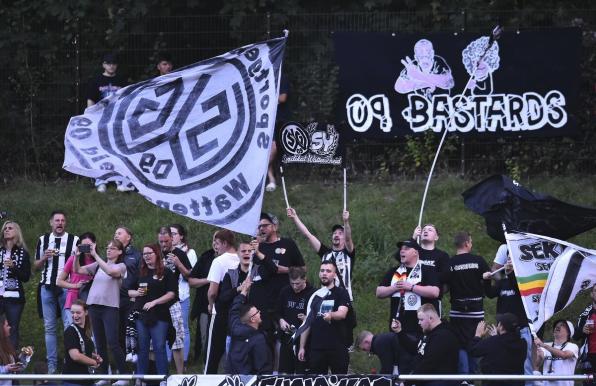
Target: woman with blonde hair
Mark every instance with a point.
(14, 272)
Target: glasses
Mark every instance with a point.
(174, 233)
(148, 253)
(111, 248)
(264, 226)
(256, 313)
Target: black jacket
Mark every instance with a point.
(249, 353)
(501, 354)
(437, 351)
(386, 347)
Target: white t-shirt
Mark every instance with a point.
(501, 255)
(559, 366)
(220, 266)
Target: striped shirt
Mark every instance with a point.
(53, 266)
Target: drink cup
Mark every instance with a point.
(143, 288)
(590, 324)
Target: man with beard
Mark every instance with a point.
(50, 255)
(409, 285)
(177, 261)
(324, 329)
(342, 251)
(283, 251)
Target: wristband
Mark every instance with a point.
(412, 289)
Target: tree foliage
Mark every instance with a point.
(51, 47)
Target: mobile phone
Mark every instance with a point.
(84, 248)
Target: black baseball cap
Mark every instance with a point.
(336, 227)
(269, 217)
(410, 243)
(110, 58)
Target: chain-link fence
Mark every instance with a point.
(49, 88)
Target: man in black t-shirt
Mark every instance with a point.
(291, 312)
(102, 86)
(431, 255)
(342, 251)
(325, 328)
(385, 346)
(198, 280)
(283, 251)
(467, 289)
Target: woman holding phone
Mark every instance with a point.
(73, 281)
(80, 356)
(104, 303)
(156, 292)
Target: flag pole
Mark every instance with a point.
(345, 191)
(495, 34)
(283, 186)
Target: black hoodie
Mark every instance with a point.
(501, 354)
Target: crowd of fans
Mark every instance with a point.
(128, 310)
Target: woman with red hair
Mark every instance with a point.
(156, 291)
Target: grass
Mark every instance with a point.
(381, 213)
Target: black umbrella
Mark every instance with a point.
(499, 199)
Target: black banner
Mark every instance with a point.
(392, 85)
(313, 143)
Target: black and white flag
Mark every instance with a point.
(195, 141)
(549, 273)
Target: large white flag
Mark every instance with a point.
(195, 141)
(549, 273)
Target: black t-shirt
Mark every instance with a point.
(183, 259)
(409, 319)
(283, 252)
(508, 298)
(290, 304)
(466, 285)
(344, 260)
(156, 288)
(72, 340)
(438, 259)
(132, 260)
(103, 86)
(325, 335)
(200, 271)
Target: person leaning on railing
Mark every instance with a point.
(80, 357)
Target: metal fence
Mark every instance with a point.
(51, 88)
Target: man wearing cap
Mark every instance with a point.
(504, 352)
(285, 254)
(409, 285)
(342, 251)
(102, 86)
(467, 288)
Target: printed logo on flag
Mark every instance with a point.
(195, 141)
(317, 143)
